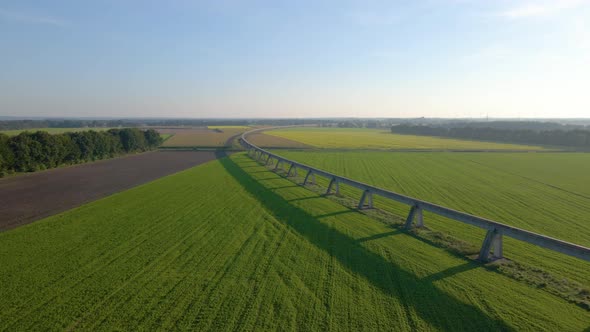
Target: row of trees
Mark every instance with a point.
(510, 125)
(32, 151)
(52, 123)
(129, 123)
(571, 138)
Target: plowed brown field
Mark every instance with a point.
(29, 197)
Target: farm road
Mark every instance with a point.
(30, 197)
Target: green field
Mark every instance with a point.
(542, 192)
(269, 141)
(166, 136)
(51, 130)
(349, 138)
(229, 245)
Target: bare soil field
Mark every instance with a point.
(210, 138)
(34, 196)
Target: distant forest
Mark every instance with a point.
(33, 151)
(70, 123)
(512, 125)
(523, 133)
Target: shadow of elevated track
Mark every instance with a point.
(420, 296)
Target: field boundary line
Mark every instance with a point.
(492, 246)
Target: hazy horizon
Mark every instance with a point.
(329, 59)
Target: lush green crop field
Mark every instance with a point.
(270, 141)
(202, 138)
(567, 172)
(51, 130)
(229, 245)
(541, 192)
(166, 136)
(347, 138)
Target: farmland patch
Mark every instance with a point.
(29, 197)
(484, 185)
(201, 137)
(349, 138)
(270, 141)
(270, 255)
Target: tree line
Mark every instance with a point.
(33, 124)
(129, 123)
(33, 151)
(510, 125)
(578, 138)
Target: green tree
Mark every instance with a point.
(27, 152)
(6, 155)
(132, 139)
(152, 138)
(50, 146)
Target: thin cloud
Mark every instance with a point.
(368, 18)
(541, 8)
(384, 54)
(31, 19)
(494, 52)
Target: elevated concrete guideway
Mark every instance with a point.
(492, 247)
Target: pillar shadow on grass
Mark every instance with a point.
(334, 214)
(304, 198)
(434, 306)
(283, 187)
(380, 236)
(450, 272)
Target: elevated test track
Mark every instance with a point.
(491, 248)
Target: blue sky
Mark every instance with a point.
(177, 58)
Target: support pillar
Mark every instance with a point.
(308, 176)
(335, 185)
(268, 160)
(491, 248)
(368, 198)
(278, 164)
(291, 169)
(415, 215)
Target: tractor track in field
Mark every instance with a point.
(29, 197)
